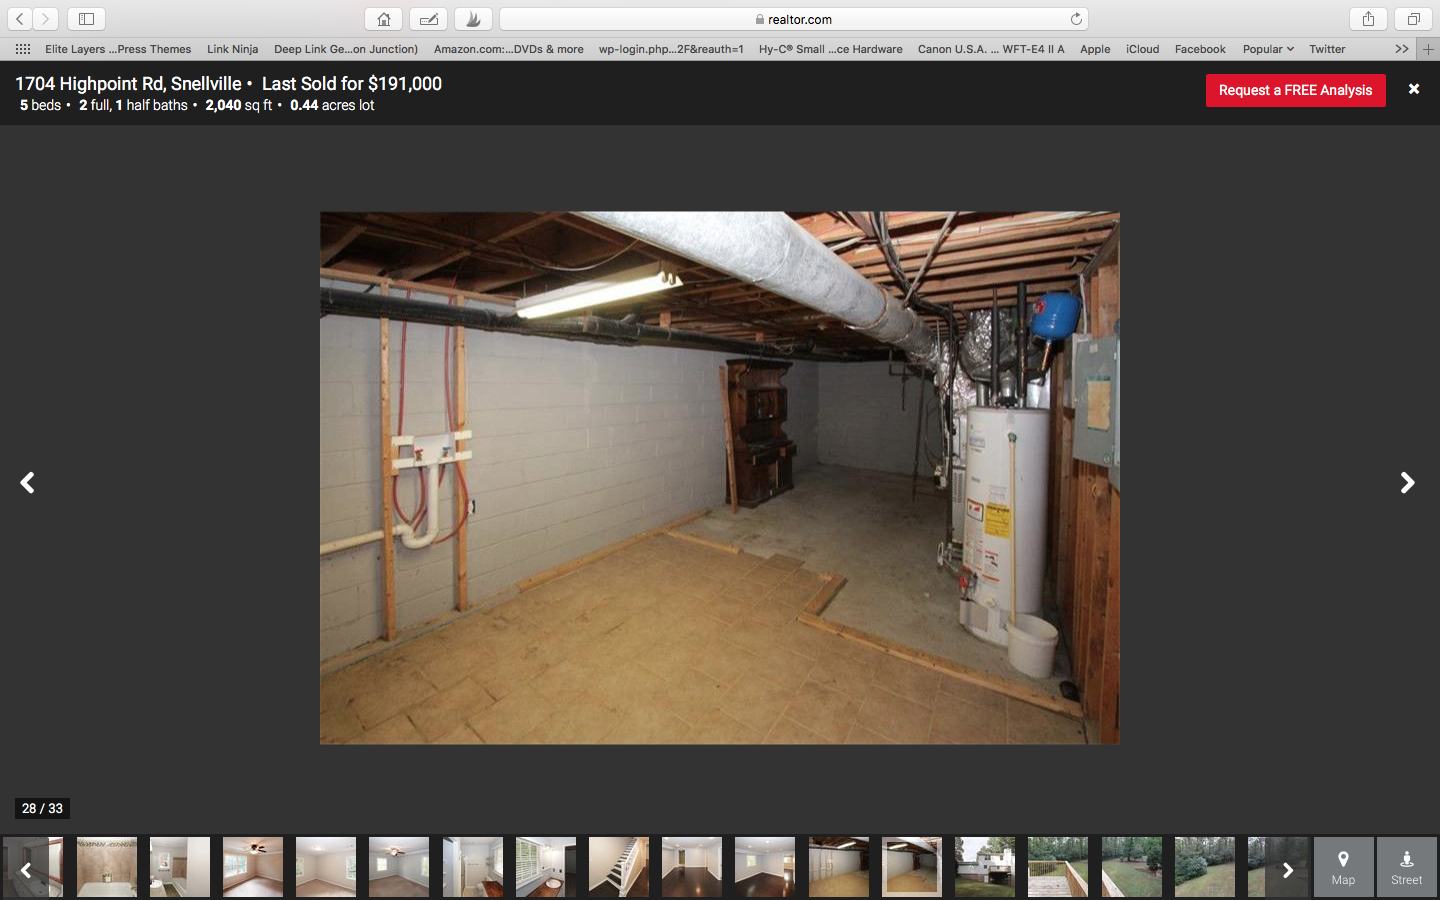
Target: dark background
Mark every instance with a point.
(1280, 610)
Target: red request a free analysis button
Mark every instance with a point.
(1295, 90)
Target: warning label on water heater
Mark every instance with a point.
(997, 520)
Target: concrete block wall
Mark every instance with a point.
(576, 446)
(861, 422)
(802, 395)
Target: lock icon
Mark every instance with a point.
(759, 19)
(1368, 20)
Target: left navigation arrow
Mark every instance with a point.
(25, 483)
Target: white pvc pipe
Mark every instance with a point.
(403, 531)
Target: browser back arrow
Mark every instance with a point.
(1409, 483)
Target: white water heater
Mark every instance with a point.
(997, 524)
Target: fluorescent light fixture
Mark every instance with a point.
(900, 847)
(635, 282)
(846, 844)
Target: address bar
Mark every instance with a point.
(770, 18)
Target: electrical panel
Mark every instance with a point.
(1095, 387)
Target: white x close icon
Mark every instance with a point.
(1415, 88)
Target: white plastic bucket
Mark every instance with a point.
(1032, 646)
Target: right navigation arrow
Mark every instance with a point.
(1288, 870)
(1409, 483)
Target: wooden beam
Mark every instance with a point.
(704, 541)
(729, 441)
(387, 480)
(517, 230)
(329, 251)
(1110, 664)
(462, 546)
(385, 283)
(412, 272)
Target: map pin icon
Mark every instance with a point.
(1344, 858)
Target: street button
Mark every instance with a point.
(1405, 866)
(1344, 867)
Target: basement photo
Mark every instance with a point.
(619, 866)
(1058, 867)
(473, 867)
(839, 866)
(911, 867)
(325, 866)
(765, 866)
(399, 867)
(253, 866)
(984, 866)
(179, 867)
(719, 477)
(690, 867)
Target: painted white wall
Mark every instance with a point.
(452, 872)
(713, 856)
(802, 397)
(251, 868)
(483, 853)
(271, 865)
(552, 861)
(576, 446)
(770, 863)
(842, 861)
(668, 860)
(605, 852)
(927, 860)
(197, 867)
(331, 867)
(390, 867)
(861, 423)
(411, 865)
(310, 865)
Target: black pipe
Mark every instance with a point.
(1020, 347)
(334, 301)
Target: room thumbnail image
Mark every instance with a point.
(179, 867)
(399, 867)
(325, 866)
(1058, 866)
(253, 866)
(839, 866)
(765, 866)
(619, 866)
(625, 477)
(691, 867)
(107, 866)
(984, 866)
(1204, 867)
(546, 867)
(1131, 866)
(911, 867)
(473, 867)
(33, 867)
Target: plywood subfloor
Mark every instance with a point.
(662, 642)
(851, 884)
(914, 882)
(863, 525)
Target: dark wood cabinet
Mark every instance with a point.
(764, 456)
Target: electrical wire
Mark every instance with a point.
(556, 268)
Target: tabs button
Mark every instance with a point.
(1407, 18)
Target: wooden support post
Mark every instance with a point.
(664, 318)
(462, 565)
(387, 480)
(729, 443)
(1110, 667)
